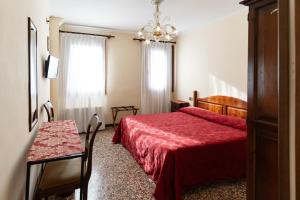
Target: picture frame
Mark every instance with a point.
(32, 83)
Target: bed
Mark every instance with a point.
(193, 146)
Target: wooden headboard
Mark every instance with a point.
(224, 105)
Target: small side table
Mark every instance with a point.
(177, 104)
(117, 109)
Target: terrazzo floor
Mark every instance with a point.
(117, 176)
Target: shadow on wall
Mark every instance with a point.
(18, 178)
(220, 87)
(17, 181)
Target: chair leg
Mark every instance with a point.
(36, 196)
(81, 193)
(85, 191)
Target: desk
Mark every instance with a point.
(57, 140)
(116, 110)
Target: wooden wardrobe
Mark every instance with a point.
(267, 121)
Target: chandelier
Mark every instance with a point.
(157, 30)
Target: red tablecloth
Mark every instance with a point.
(55, 139)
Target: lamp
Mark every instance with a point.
(157, 30)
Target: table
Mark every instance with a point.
(57, 140)
(117, 109)
(177, 104)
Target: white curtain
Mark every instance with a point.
(81, 78)
(156, 77)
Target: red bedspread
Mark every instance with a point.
(181, 150)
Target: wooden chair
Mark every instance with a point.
(61, 177)
(49, 109)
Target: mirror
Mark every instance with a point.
(33, 89)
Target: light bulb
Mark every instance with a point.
(140, 33)
(147, 41)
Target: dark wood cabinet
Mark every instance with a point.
(177, 104)
(263, 100)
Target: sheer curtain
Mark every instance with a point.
(81, 78)
(156, 77)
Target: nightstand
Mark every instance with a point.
(177, 104)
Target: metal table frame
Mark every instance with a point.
(43, 161)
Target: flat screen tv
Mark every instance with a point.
(51, 67)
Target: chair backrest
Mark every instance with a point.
(49, 109)
(93, 128)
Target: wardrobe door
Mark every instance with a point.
(263, 101)
(265, 121)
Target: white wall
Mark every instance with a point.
(214, 59)
(123, 73)
(14, 128)
(123, 69)
(54, 25)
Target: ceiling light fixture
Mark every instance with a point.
(155, 30)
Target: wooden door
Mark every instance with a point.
(264, 100)
(297, 98)
(263, 112)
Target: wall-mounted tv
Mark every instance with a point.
(51, 67)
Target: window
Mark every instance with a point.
(86, 73)
(82, 73)
(81, 78)
(158, 77)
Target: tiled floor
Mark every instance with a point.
(117, 176)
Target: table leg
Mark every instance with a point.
(27, 182)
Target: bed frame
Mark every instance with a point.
(224, 105)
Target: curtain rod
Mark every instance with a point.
(142, 40)
(79, 33)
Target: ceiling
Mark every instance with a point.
(130, 15)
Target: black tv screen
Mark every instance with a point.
(51, 69)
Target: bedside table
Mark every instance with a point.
(177, 104)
